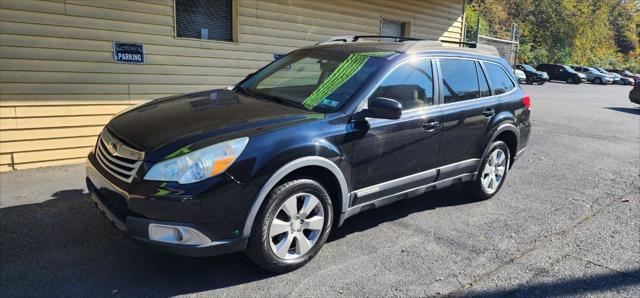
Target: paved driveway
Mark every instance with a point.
(567, 222)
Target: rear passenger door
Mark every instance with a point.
(467, 107)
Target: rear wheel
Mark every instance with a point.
(598, 81)
(493, 172)
(292, 227)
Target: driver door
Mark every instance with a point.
(396, 155)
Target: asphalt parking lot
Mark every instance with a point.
(567, 222)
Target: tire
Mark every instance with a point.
(597, 81)
(529, 81)
(570, 81)
(289, 232)
(478, 188)
(541, 83)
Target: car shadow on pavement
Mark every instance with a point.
(588, 285)
(635, 111)
(64, 247)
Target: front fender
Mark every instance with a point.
(285, 170)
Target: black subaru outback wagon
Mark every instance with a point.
(273, 164)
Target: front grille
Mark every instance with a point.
(116, 158)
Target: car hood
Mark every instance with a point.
(162, 126)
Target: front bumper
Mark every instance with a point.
(216, 209)
(137, 229)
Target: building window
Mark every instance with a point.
(205, 19)
(394, 28)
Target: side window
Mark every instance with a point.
(411, 84)
(484, 85)
(459, 80)
(500, 80)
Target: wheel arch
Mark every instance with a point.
(301, 165)
(508, 133)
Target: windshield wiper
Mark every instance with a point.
(284, 101)
(280, 100)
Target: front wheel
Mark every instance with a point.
(570, 81)
(292, 226)
(598, 81)
(493, 172)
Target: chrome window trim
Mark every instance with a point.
(442, 104)
(364, 102)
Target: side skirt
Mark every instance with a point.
(409, 193)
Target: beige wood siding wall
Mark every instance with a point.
(59, 85)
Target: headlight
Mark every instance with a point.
(198, 165)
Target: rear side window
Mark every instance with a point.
(411, 84)
(484, 85)
(500, 80)
(459, 80)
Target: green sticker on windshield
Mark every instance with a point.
(339, 76)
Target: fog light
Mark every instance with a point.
(177, 235)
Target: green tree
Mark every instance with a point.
(589, 32)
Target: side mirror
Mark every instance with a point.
(384, 108)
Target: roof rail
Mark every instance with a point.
(416, 44)
(355, 38)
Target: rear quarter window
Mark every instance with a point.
(500, 81)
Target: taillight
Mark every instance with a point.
(526, 100)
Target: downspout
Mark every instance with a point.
(463, 35)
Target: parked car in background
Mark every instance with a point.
(593, 75)
(634, 95)
(520, 75)
(626, 74)
(533, 76)
(559, 72)
(617, 79)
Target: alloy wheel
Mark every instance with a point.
(297, 226)
(494, 171)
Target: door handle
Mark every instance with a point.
(431, 125)
(490, 112)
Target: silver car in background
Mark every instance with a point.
(594, 76)
(617, 79)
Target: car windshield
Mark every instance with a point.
(592, 70)
(528, 68)
(569, 69)
(602, 71)
(320, 80)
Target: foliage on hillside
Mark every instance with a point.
(578, 32)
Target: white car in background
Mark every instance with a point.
(522, 77)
